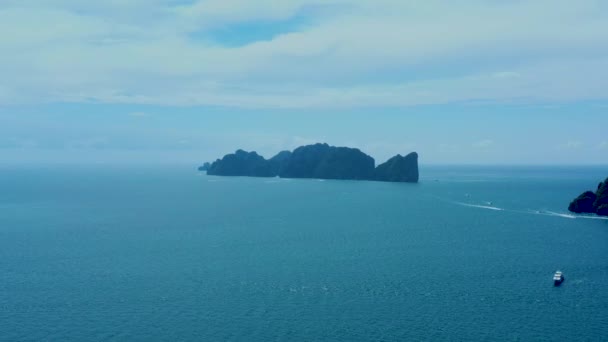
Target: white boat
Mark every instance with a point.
(558, 278)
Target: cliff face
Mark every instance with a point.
(601, 200)
(327, 162)
(317, 161)
(583, 203)
(399, 169)
(278, 162)
(241, 163)
(590, 202)
(205, 167)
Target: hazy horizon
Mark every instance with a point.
(193, 138)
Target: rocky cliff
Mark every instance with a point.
(328, 162)
(399, 169)
(592, 202)
(241, 163)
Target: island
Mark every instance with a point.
(241, 163)
(204, 167)
(398, 169)
(591, 202)
(319, 161)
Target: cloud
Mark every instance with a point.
(572, 145)
(138, 114)
(208, 13)
(347, 54)
(483, 144)
(603, 145)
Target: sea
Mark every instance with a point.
(165, 253)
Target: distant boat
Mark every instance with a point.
(558, 278)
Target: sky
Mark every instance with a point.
(187, 81)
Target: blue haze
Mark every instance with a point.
(463, 134)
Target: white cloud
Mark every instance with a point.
(572, 145)
(205, 13)
(483, 144)
(603, 145)
(138, 114)
(358, 54)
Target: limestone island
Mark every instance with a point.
(591, 202)
(319, 161)
(204, 167)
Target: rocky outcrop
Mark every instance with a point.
(328, 162)
(205, 167)
(601, 200)
(241, 163)
(592, 202)
(278, 162)
(399, 169)
(583, 203)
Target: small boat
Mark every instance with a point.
(558, 278)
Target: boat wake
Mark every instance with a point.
(488, 207)
(568, 216)
(552, 213)
(593, 217)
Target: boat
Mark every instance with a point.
(558, 278)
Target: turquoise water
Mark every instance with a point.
(167, 254)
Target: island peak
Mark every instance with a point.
(399, 169)
(241, 163)
(321, 161)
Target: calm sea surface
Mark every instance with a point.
(167, 254)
